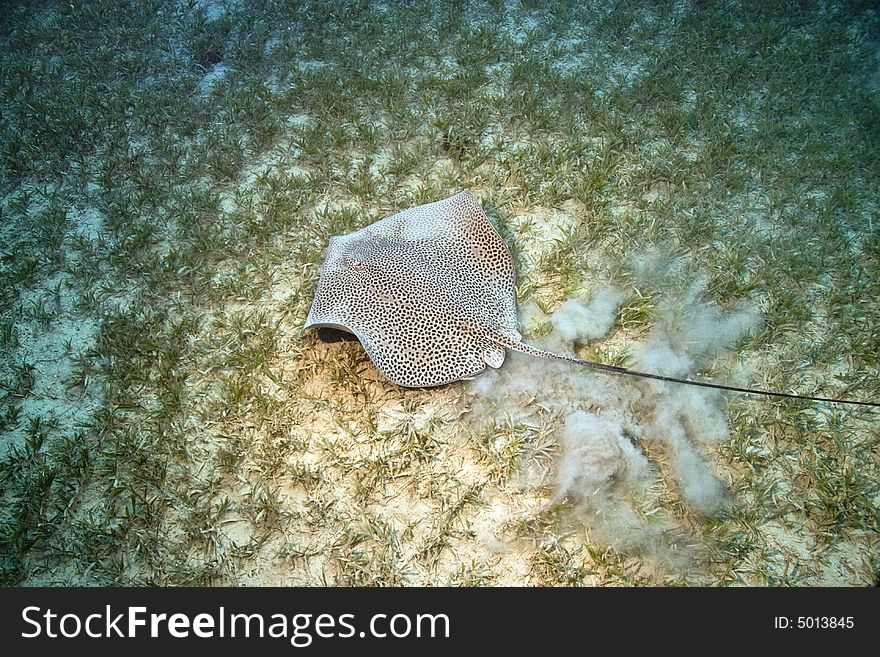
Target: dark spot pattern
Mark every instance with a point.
(429, 292)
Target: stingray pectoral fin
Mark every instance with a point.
(493, 355)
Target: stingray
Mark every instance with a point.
(430, 292)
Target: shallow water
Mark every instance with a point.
(701, 177)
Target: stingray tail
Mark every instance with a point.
(613, 369)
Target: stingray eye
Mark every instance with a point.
(355, 264)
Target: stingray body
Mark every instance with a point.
(430, 293)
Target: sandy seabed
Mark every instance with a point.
(688, 188)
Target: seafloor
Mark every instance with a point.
(686, 187)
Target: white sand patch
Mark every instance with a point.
(87, 223)
(379, 163)
(281, 161)
(215, 9)
(573, 55)
(848, 564)
(496, 88)
(51, 347)
(310, 64)
(519, 28)
(272, 43)
(299, 120)
(447, 67)
(793, 550)
(540, 229)
(212, 78)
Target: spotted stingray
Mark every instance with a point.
(430, 294)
